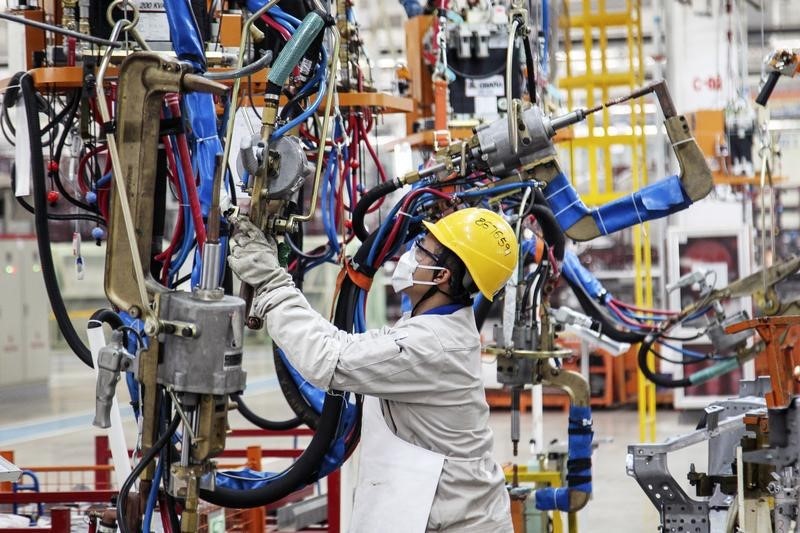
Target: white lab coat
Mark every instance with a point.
(427, 372)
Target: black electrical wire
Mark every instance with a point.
(42, 229)
(529, 66)
(6, 134)
(9, 100)
(231, 187)
(75, 216)
(477, 75)
(52, 216)
(147, 458)
(658, 379)
(106, 316)
(182, 280)
(59, 29)
(75, 103)
(139, 340)
(263, 423)
(250, 97)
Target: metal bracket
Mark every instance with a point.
(725, 427)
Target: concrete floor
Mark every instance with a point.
(52, 426)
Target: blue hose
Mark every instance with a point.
(152, 497)
(188, 227)
(277, 12)
(579, 463)
(495, 190)
(319, 77)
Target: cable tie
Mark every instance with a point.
(602, 223)
(558, 191)
(684, 141)
(576, 201)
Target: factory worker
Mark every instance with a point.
(426, 447)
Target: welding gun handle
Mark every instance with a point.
(767, 88)
(109, 365)
(246, 293)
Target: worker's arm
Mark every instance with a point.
(392, 363)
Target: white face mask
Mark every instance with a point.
(403, 275)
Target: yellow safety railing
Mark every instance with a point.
(602, 76)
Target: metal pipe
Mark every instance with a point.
(116, 166)
(324, 134)
(512, 105)
(63, 31)
(237, 83)
(242, 72)
(210, 268)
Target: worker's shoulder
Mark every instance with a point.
(452, 331)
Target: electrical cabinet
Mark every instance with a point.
(24, 313)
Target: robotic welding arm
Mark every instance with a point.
(654, 201)
(492, 150)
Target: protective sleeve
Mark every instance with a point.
(400, 363)
(579, 463)
(654, 201)
(577, 273)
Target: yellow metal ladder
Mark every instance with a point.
(609, 71)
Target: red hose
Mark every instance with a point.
(188, 175)
(166, 255)
(396, 228)
(643, 309)
(277, 27)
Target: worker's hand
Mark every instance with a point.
(254, 256)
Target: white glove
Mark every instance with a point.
(254, 257)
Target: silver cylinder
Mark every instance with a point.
(211, 268)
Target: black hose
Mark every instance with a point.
(300, 473)
(291, 392)
(107, 316)
(659, 380)
(366, 201)
(529, 66)
(482, 311)
(551, 230)
(607, 327)
(147, 458)
(263, 423)
(42, 229)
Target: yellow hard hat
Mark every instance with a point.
(484, 241)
